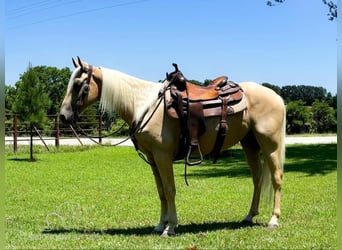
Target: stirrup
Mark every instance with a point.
(188, 162)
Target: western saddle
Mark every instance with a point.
(191, 104)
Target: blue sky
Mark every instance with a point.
(289, 44)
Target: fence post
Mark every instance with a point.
(100, 128)
(15, 133)
(57, 131)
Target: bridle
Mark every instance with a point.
(83, 93)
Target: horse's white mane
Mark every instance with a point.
(125, 93)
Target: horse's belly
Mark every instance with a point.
(237, 128)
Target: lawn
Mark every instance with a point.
(105, 198)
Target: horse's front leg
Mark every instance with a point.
(163, 203)
(167, 193)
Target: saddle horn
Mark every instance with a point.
(170, 75)
(176, 67)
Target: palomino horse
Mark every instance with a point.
(260, 129)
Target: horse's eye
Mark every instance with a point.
(78, 82)
(86, 88)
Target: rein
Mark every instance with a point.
(137, 127)
(92, 138)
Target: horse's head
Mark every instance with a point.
(84, 88)
(176, 78)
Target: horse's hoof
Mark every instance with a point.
(272, 226)
(167, 234)
(154, 231)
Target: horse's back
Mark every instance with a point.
(257, 94)
(266, 109)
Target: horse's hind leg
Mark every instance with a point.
(273, 150)
(274, 162)
(252, 153)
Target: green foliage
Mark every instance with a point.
(324, 119)
(31, 100)
(332, 7)
(298, 118)
(206, 82)
(320, 118)
(308, 94)
(55, 82)
(117, 203)
(197, 82)
(275, 88)
(117, 126)
(10, 93)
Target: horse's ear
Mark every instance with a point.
(75, 63)
(80, 62)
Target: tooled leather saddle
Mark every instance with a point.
(191, 104)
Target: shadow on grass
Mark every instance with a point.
(23, 160)
(309, 159)
(142, 231)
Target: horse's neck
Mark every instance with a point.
(129, 96)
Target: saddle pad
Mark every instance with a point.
(214, 110)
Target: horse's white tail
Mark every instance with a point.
(265, 180)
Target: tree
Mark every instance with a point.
(303, 92)
(332, 14)
(275, 88)
(31, 102)
(323, 117)
(332, 9)
(196, 82)
(55, 82)
(10, 93)
(298, 118)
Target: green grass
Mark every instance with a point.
(108, 199)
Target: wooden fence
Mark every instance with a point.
(55, 130)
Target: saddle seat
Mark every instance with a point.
(196, 92)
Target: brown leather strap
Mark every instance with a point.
(221, 134)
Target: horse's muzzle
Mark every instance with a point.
(64, 119)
